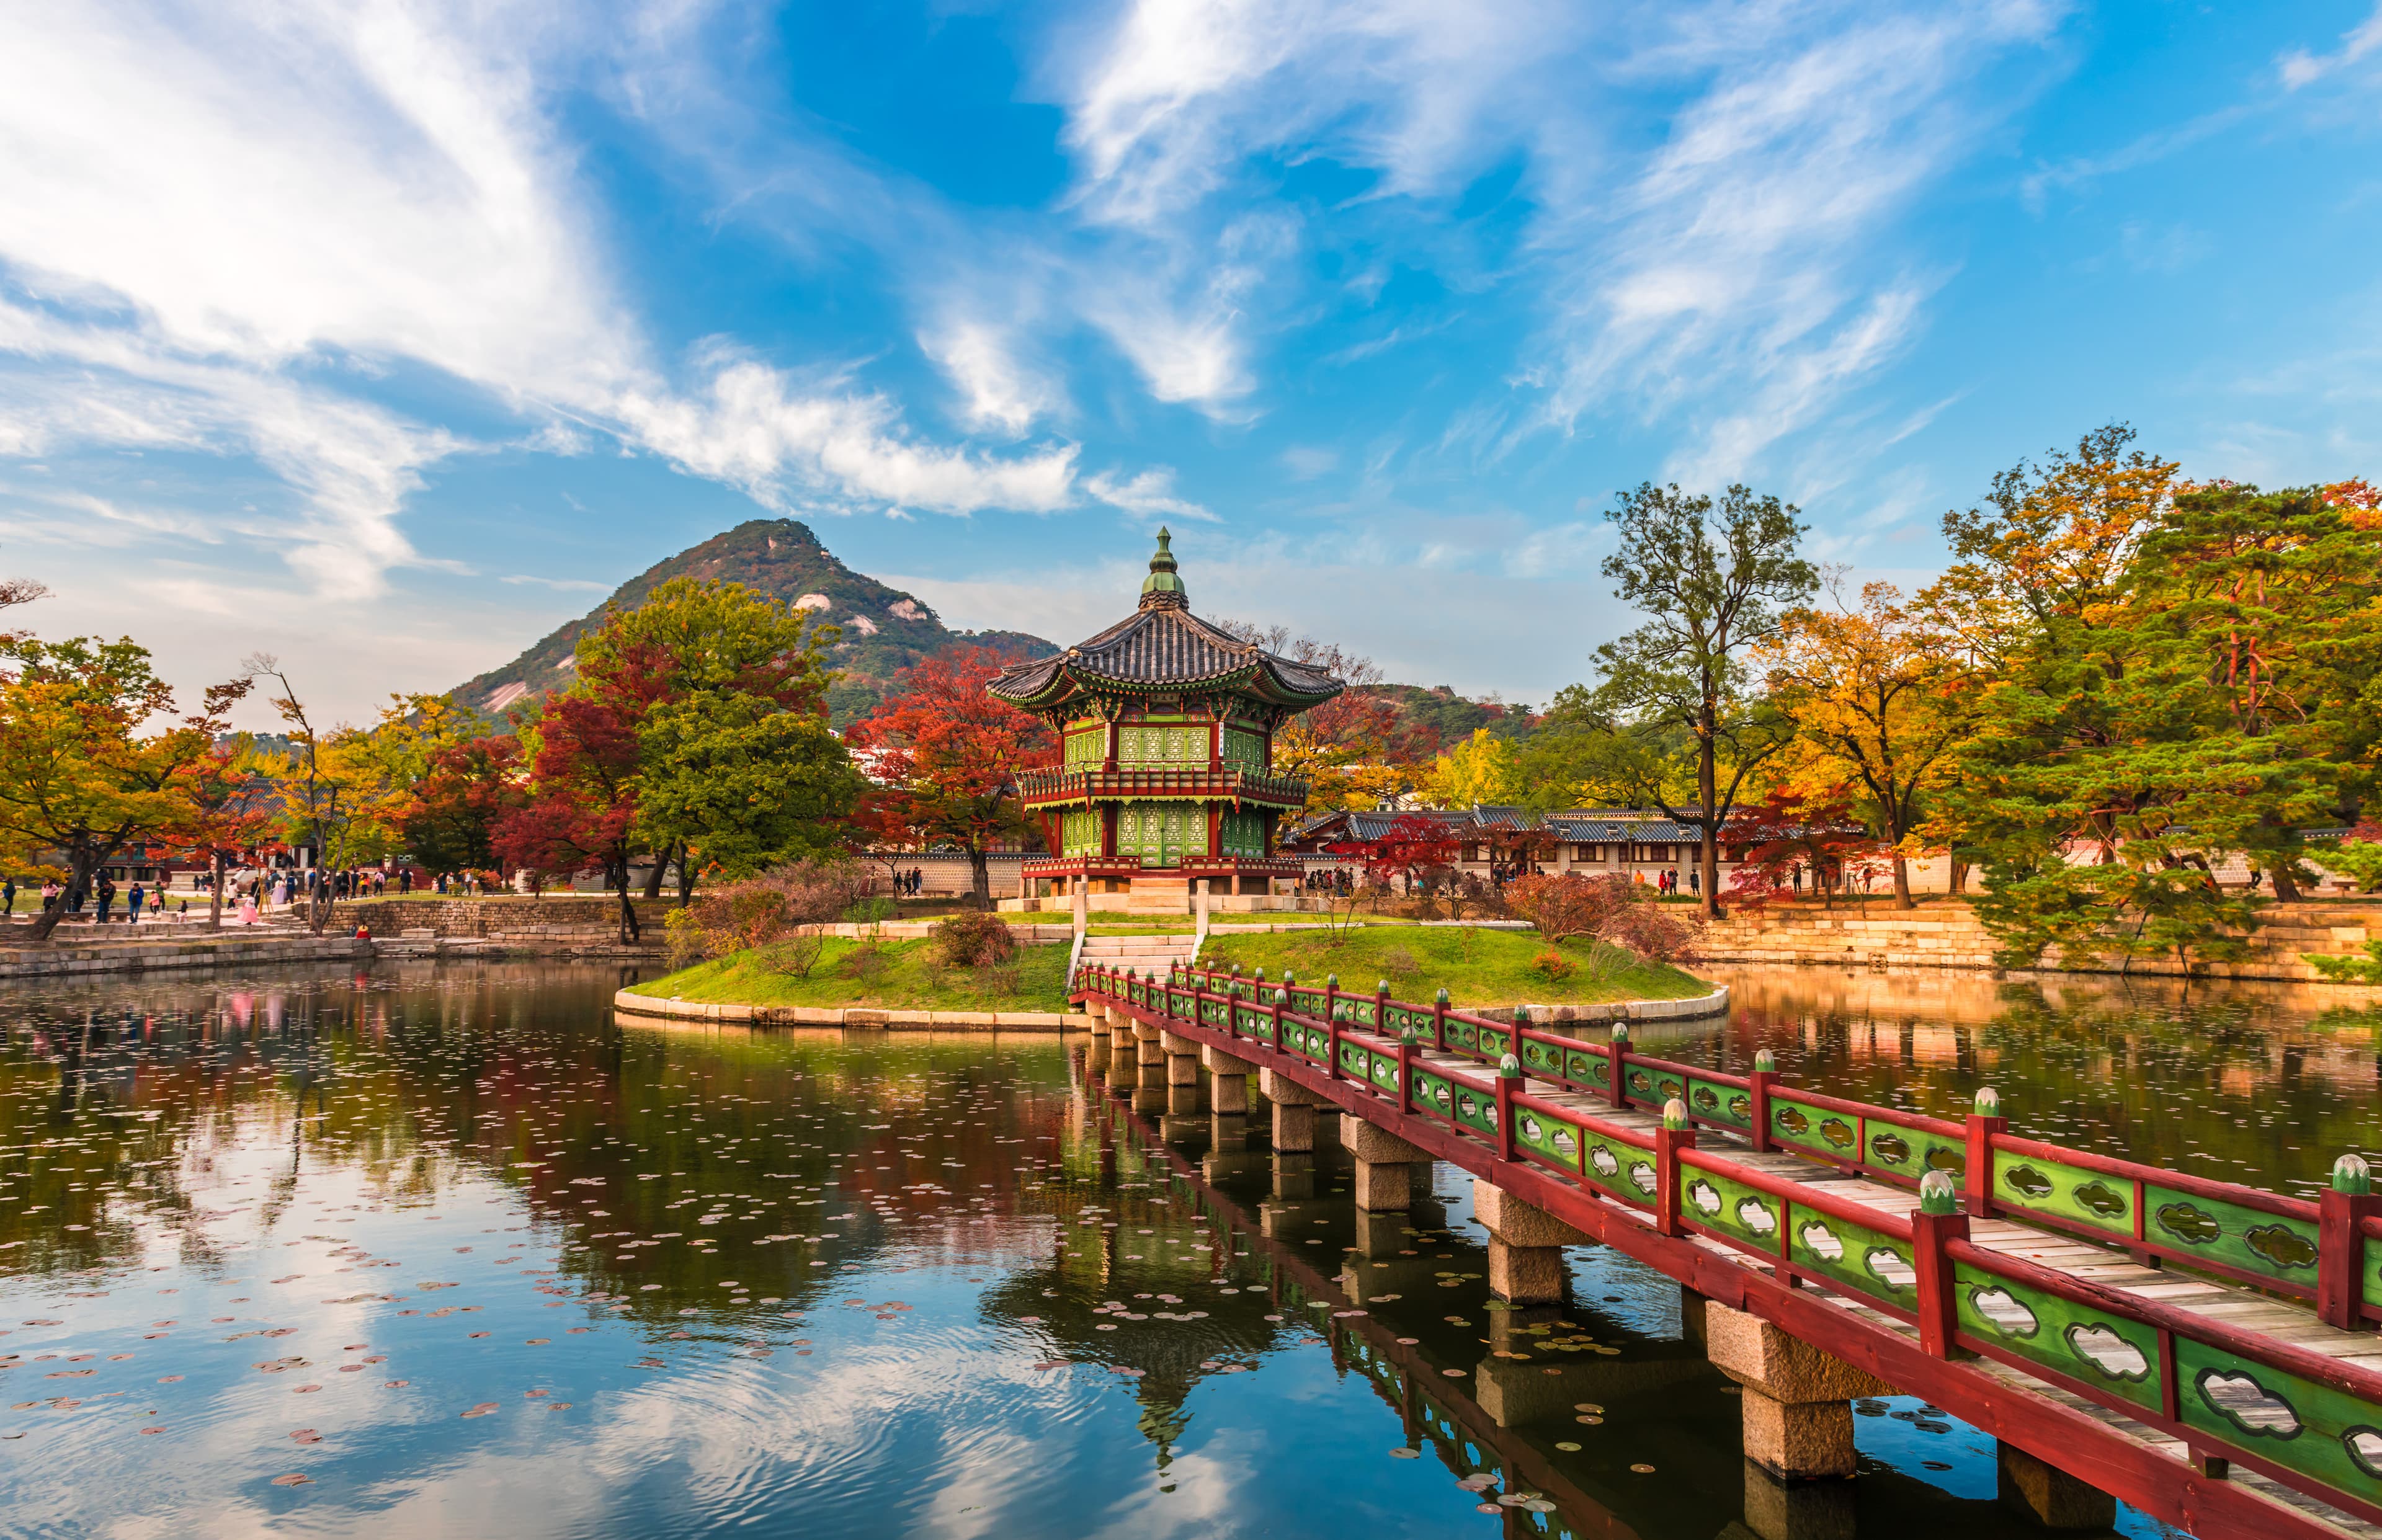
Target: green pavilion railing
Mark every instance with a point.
(2298, 1415)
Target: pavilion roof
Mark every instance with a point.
(1164, 646)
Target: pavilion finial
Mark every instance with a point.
(1162, 589)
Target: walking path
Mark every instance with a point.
(2041, 1315)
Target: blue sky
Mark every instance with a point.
(387, 335)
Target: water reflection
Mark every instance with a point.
(446, 1249)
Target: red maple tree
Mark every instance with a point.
(944, 756)
(582, 809)
(1791, 834)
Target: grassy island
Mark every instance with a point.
(890, 975)
(1476, 967)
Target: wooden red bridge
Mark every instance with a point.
(2199, 1350)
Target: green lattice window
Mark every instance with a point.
(1079, 833)
(1243, 833)
(1244, 748)
(1169, 743)
(1088, 747)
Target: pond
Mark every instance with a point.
(450, 1249)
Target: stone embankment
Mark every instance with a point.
(1947, 933)
(217, 949)
(857, 1018)
(565, 926)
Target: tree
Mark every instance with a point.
(1878, 693)
(2091, 790)
(582, 807)
(1791, 832)
(1483, 769)
(1410, 847)
(228, 805)
(945, 754)
(449, 818)
(1356, 750)
(1712, 577)
(333, 790)
(726, 690)
(80, 778)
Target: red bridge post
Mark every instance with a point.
(1937, 1221)
(1677, 1133)
(1765, 1071)
(2343, 1210)
(1983, 1123)
(1618, 1057)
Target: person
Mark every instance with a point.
(157, 900)
(9, 895)
(49, 893)
(248, 915)
(133, 903)
(107, 896)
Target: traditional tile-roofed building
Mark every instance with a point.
(1167, 724)
(1629, 840)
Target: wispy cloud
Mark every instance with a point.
(1150, 495)
(2299, 68)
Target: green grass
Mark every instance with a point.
(906, 977)
(1476, 967)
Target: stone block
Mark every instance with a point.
(1762, 1358)
(1367, 1142)
(1293, 1127)
(1517, 1223)
(1227, 1095)
(1383, 1186)
(1526, 1274)
(1174, 1042)
(1222, 1063)
(1181, 1069)
(1282, 1090)
(2048, 1496)
(1799, 1440)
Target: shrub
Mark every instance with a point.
(1397, 959)
(777, 916)
(977, 939)
(1554, 964)
(1652, 932)
(1567, 904)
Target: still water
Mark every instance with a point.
(449, 1250)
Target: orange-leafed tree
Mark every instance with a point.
(944, 757)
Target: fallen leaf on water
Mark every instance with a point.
(484, 1408)
(293, 1480)
(1643, 1469)
(152, 1430)
(395, 1384)
(307, 1435)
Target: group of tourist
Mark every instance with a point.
(910, 884)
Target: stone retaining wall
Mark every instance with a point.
(852, 1016)
(570, 924)
(213, 950)
(1947, 933)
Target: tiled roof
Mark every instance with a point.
(1580, 826)
(1160, 646)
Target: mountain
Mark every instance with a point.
(885, 631)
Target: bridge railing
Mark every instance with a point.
(2243, 1233)
(2296, 1415)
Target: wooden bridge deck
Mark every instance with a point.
(2138, 1434)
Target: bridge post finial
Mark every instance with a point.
(1983, 1125)
(2342, 1256)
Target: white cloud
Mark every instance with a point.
(2299, 68)
(745, 427)
(1150, 494)
(224, 222)
(995, 389)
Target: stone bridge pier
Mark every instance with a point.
(1384, 1167)
(1294, 1112)
(1526, 1265)
(1228, 1083)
